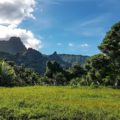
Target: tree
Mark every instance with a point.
(55, 72)
(111, 47)
(52, 67)
(26, 76)
(14, 75)
(98, 69)
(7, 74)
(77, 71)
(59, 79)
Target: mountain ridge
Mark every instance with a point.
(34, 59)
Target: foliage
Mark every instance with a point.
(78, 82)
(61, 76)
(52, 67)
(26, 76)
(55, 72)
(111, 47)
(98, 69)
(59, 79)
(111, 43)
(7, 74)
(13, 75)
(77, 71)
(46, 81)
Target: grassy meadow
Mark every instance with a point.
(59, 103)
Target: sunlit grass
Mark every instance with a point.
(60, 103)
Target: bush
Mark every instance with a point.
(94, 85)
(45, 81)
(7, 74)
(59, 79)
(14, 75)
(78, 82)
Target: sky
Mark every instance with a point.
(65, 26)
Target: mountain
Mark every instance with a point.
(32, 59)
(73, 59)
(14, 50)
(56, 57)
(12, 46)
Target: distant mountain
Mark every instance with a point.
(12, 46)
(57, 57)
(73, 59)
(14, 50)
(32, 59)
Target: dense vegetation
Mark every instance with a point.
(100, 70)
(13, 75)
(59, 103)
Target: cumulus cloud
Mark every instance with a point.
(12, 13)
(15, 11)
(26, 36)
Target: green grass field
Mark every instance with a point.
(59, 103)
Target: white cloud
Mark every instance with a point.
(26, 36)
(84, 45)
(12, 13)
(70, 44)
(15, 11)
(77, 46)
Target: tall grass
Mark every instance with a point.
(59, 103)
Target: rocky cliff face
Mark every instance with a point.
(12, 46)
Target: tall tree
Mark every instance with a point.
(52, 67)
(77, 71)
(98, 70)
(111, 47)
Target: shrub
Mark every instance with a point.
(78, 82)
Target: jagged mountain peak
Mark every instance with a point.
(55, 53)
(13, 46)
(15, 39)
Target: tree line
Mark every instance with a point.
(101, 69)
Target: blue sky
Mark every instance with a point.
(71, 26)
